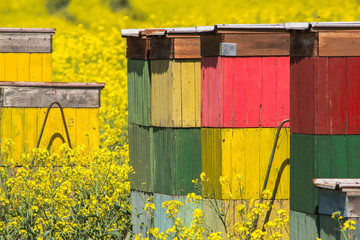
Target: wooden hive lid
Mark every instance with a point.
(339, 184)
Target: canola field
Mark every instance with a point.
(88, 47)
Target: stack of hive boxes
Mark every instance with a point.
(238, 94)
(164, 118)
(325, 120)
(245, 97)
(25, 66)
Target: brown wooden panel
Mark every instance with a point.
(339, 43)
(161, 48)
(138, 48)
(260, 44)
(210, 45)
(304, 44)
(187, 48)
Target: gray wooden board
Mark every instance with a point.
(38, 97)
(141, 221)
(26, 42)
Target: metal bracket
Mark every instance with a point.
(227, 49)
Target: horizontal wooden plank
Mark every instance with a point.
(304, 44)
(187, 48)
(333, 183)
(28, 30)
(33, 97)
(138, 48)
(26, 42)
(248, 44)
(339, 43)
(161, 48)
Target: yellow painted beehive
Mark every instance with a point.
(25, 54)
(23, 106)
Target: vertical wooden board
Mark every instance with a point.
(18, 128)
(187, 160)
(36, 67)
(240, 99)
(233, 161)
(228, 90)
(353, 96)
(161, 219)
(23, 67)
(11, 67)
(141, 221)
(268, 109)
(323, 156)
(211, 92)
(47, 67)
(164, 160)
(302, 97)
(2, 66)
(197, 87)
(255, 68)
(188, 93)
(282, 90)
(303, 195)
(131, 90)
(155, 93)
(187, 210)
(211, 219)
(353, 152)
(31, 131)
(82, 125)
(175, 79)
(146, 97)
(55, 132)
(303, 226)
(338, 105)
(211, 155)
(279, 179)
(339, 156)
(323, 98)
(94, 127)
(6, 124)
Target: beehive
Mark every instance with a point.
(25, 54)
(23, 106)
(245, 96)
(324, 113)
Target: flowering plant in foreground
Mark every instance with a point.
(70, 195)
(247, 213)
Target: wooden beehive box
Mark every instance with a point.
(23, 106)
(25, 54)
(336, 194)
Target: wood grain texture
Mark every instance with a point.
(319, 156)
(245, 92)
(141, 150)
(31, 97)
(138, 48)
(248, 44)
(175, 93)
(324, 95)
(26, 42)
(139, 92)
(304, 44)
(177, 154)
(26, 67)
(245, 151)
(141, 221)
(23, 125)
(329, 43)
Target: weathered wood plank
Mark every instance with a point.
(329, 43)
(141, 221)
(138, 48)
(26, 42)
(31, 97)
(187, 48)
(304, 226)
(304, 44)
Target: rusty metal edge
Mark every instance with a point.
(53, 84)
(28, 30)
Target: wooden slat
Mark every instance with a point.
(303, 226)
(187, 48)
(26, 97)
(304, 44)
(141, 221)
(329, 43)
(26, 42)
(161, 48)
(138, 48)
